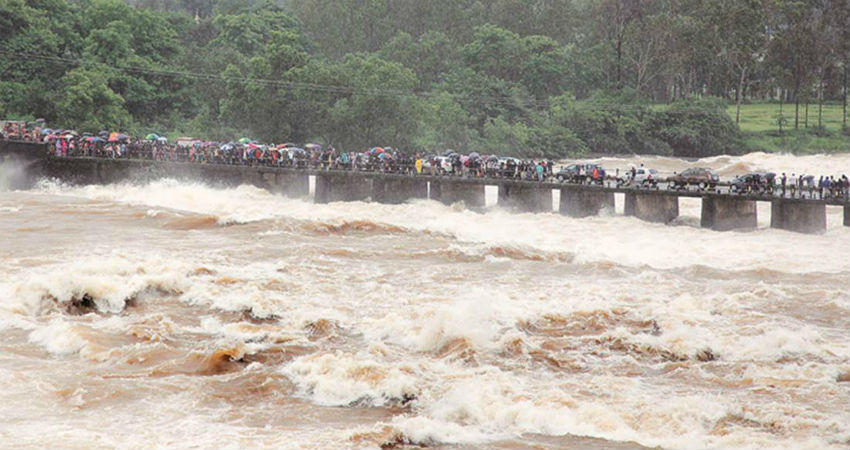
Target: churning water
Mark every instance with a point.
(177, 315)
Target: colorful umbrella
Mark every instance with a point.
(245, 140)
(152, 137)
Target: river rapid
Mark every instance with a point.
(173, 314)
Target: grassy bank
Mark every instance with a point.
(760, 129)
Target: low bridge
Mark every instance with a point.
(721, 212)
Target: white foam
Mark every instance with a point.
(339, 379)
(110, 280)
(58, 337)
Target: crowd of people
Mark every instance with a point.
(805, 186)
(69, 143)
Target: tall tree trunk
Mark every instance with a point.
(820, 104)
(796, 112)
(781, 116)
(806, 117)
(619, 62)
(739, 94)
(844, 100)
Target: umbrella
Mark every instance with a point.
(123, 137)
(94, 139)
(86, 134)
(113, 137)
(227, 147)
(449, 152)
(103, 133)
(313, 146)
(68, 136)
(474, 155)
(384, 155)
(161, 139)
(245, 140)
(152, 137)
(46, 131)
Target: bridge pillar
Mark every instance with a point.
(801, 217)
(471, 194)
(652, 207)
(847, 216)
(342, 188)
(584, 202)
(526, 197)
(394, 191)
(725, 214)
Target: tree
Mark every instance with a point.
(741, 30)
(380, 107)
(445, 124)
(89, 104)
(615, 19)
(429, 56)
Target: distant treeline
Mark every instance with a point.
(525, 77)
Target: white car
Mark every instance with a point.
(645, 177)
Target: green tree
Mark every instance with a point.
(88, 104)
(380, 109)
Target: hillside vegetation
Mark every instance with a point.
(552, 78)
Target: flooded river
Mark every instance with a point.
(174, 314)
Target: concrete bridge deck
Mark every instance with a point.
(720, 211)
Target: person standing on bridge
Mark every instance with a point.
(793, 184)
(784, 183)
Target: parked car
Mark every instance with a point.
(697, 176)
(577, 173)
(644, 177)
(755, 182)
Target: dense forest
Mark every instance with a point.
(526, 77)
